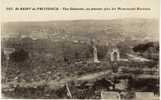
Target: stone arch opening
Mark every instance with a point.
(115, 55)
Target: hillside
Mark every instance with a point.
(42, 59)
(104, 30)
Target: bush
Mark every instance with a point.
(19, 55)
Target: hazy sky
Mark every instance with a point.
(73, 15)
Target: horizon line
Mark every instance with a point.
(10, 21)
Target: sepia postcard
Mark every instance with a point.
(80, 49)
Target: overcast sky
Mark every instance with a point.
(74, 15)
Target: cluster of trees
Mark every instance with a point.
(149, 50)
(60, 51)
(69, 51)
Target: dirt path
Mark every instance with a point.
(93, 75)
(59, 83)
